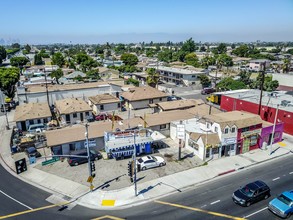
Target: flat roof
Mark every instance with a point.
(180, 71)
(271, 99)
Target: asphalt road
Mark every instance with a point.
(211, 200)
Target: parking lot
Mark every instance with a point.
(112, 174)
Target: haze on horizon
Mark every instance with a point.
(131, 21)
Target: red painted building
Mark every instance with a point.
(249, 101)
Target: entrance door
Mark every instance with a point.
(246, 143)
(23, 127)
(81, 116)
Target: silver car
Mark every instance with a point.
(150, 161)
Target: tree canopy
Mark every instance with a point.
(204, 80)
(229, 83)
(38, 59)
(8, 78)
(57, 74)
(18, 61)
(191, 59)
(3, 54)
(58, 59)
(188, 46)
(129, 59)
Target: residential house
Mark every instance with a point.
(71, 138)
(104, 103)
(106, 73)
(177, 105)
(256, 65)
(52, 93)
(30, 114)
(72, 110)
(180, 76)
(141, 97)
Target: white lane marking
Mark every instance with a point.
(203, 206)
(276, 178)
(291, 173)
(15, 200)
(212, 203)
(255, 212)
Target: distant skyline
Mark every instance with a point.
(133, 21)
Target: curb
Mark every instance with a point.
(226, 172)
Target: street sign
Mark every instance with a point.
(53, 160)
(90, 179)
(20, 166)
(180, 131)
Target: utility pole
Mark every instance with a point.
(274, 128)
(47, 89)
(263, 67)
(88, 155)
(134, 162)
(180, 136)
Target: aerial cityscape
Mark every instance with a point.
(146, 109)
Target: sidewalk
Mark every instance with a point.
(154, 189)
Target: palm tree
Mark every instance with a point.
(286, 65)
(153, 77)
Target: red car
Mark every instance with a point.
(103, 116)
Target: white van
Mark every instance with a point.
(36, 128)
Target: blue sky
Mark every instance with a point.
(100, 21)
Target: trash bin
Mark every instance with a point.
(14, 149)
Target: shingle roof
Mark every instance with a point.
(203, 110)
(239, 118)
(95, 130)
(72, 105)
(32, 111)
(167, 117)
(103, 99)
(179, 104)
(210, 139)
(142, 93)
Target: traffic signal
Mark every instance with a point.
(93, 166)
(130, 170)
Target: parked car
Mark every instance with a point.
(251, 193)
(206, 91)
(147, 162)
(74, 161)
(32, 152)
(171, 98)
(36, 128)
(282, 205)
(103, 116)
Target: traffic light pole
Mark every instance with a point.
(88, 154)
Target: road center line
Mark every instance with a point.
(291, 173)
(276, 178)
(15, 200)
(255, 212)
(212, 203)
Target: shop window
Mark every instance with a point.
(74, 115)
(101, 107)
(151, 101)
(253, 140)
(215, 150)
(207, 153)
(192, 144)
(245, 129)
(160, 99)
(87, 113)
(31, 122)
(45, 120)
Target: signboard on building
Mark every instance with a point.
(228, 141)
(249, 133)
(20, 166)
